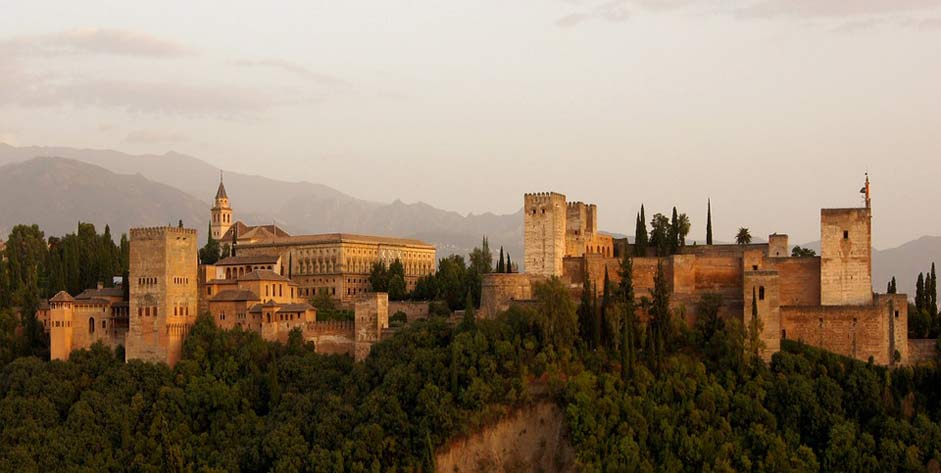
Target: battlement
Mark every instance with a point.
(160, 232)
(845, 211)
(330, 325)
(542, 198)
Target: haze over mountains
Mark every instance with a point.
(299, 207)
(67, 185)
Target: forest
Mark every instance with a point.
(638, 393)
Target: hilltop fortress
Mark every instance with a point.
(825, 301)
(263, 287)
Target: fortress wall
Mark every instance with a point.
(719, 275)
(922, 350)
(499, 290)
(733, 251)
(855, 331)
(799, 280)
(331, 337)
(414, 310)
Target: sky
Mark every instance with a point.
(770, 108)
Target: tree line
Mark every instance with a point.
(34, 268)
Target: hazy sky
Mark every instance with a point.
(774, 108)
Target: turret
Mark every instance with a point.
(221, 213)
(60, 325)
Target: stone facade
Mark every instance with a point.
(337, 264)
(371, 318)
(825, 301)
(499, 290)
(846, 256)
(95, 315)
(163, 292)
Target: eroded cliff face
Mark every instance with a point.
(533, 438)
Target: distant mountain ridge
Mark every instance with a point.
(58, 193)
(300, 207)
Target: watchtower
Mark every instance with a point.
(163, 292)
(846, 254)
(544, 226)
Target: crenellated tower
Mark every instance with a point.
(221, 213)
(544, 233)
(163, 292)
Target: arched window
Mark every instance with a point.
(91, 325)
(761, 293)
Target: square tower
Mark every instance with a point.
(163, 291)
(544, 233)
(846, 256)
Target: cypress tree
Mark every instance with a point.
(637, 234)
(628, 321)
(607, 336)
(659, 311)
(509, 264)
(469, 322)
(920, 292)
(933, 292)
(674, 232)
(596, 318)
(501, 266)
(584, 312)
(640, 234)
(709, 222)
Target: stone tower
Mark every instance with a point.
(846, 254)
(60, 326)
(163, 292)
(221, 212)
(544, 233)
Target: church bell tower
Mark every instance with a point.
(221, 212)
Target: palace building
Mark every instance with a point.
(337, 264)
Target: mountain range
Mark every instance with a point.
(58, 187)
(299, 207)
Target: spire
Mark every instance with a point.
(220, 194)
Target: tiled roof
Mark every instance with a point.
(296, 307)
(62, 296)
(341, 237)
(263, 275)
(103, 292)
(235, 295)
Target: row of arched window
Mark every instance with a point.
(146, 281)
(147, 311)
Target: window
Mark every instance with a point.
(761, 293)
(846, 234)
(754, 267)
(783, 334)
(91, 325)
(821, 321)
(896, 314)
